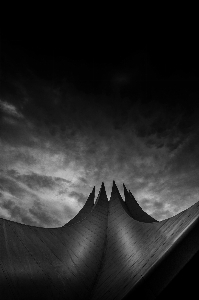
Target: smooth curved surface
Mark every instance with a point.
(133, 248)
(103, 253)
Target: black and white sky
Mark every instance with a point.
(74, 114)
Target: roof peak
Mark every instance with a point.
(114, 187)
(93, 190)
(125, 189)
(115, 191)
(102, 194)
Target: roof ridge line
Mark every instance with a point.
(100, 268)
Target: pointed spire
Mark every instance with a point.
(102, 197)
(134, 209)
(115, 194)
(114, 188)
(103, 192)
(92, 194)
(102, 189)
(85, 211)
(125, 191)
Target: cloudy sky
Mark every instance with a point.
(72, 116)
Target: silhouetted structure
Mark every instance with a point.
(110, 250)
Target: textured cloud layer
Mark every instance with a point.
(57, 143)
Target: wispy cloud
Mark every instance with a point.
(37, 181)
(10, 109)
(81, 198)
(17, 213)
(44, 216)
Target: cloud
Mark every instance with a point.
(83, 180)
(186, 158)
(68, 213)
(69, 141)
(161, 215)
(17, 132)
(38, 200)
(159, 210)
(147, 204)
(17, 213)
(10, 186)
(11, 156)
(158, 205)
(22, 206)
(37, 215)
(79, 196)
(36, 181)
(43, 215)
(9, 109)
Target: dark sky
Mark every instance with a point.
(76, 112)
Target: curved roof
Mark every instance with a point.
(103, 253)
